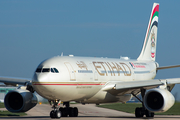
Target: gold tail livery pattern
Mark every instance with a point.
(149, 47)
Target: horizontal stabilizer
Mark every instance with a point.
(167, 67)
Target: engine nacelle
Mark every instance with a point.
(19, 100)
(158, 100)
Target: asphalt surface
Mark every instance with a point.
(86, 112)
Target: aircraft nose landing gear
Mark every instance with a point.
(55, 113)
(62, 112)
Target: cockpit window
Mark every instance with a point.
(52, 70)
(38, 70)
(56, 70)
(46, 70)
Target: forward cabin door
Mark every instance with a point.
(71, 71)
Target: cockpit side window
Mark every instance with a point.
(46, 70)
(56, 70)
(38, 70)
(52, 70)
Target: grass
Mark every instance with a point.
(130, 108)
(172, 111)
(2, 105)
(7, 113)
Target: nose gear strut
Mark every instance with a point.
(55, 113)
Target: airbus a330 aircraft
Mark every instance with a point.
(97, 80)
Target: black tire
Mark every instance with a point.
(52, 114)
(149, 114)
(62, 111)
(139, 112)
(75, 111)
(57, 114)
(152, 114)
(65, 110)
(71, 112)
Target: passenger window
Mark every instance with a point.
(46, 70)
(56, 70)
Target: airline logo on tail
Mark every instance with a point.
(149, 47)
(153, 46)
(154, 21)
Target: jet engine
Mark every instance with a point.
(158, 100)
(19, 100)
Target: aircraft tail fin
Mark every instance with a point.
(149, 47)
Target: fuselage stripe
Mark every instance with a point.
(64, 84)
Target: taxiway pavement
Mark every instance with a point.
(86, 112)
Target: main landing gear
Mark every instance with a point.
(72, 112)
(140, 112)
(62, 112)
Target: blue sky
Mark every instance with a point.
(31, 31)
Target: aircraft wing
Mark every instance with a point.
(14, 81)
(119, 88)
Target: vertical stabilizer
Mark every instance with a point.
(149, 47)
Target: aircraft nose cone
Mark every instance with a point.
(39, 77)
(34, 79)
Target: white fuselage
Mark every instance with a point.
(82, 78)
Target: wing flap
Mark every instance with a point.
(120, 87)
(138, 84)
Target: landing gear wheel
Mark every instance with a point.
(55, 114)
(75, 112)
(64, 111)
(52, 114)
(71, 112)
(139, 112)
(58, 114)
(149, 114)
(68, 111)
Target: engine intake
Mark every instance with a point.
(19, 100)
(158, 100)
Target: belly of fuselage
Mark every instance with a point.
(67, 91)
